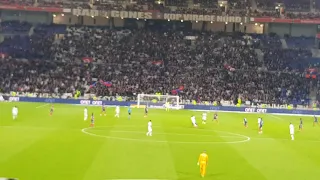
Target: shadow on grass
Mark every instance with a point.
(193, 176)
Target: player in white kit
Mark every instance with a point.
(291, 127)
(193, 120)
(117, 112)
(149, 133)
(14, 112)
(259, 120)
(85, 113)
(204, 118)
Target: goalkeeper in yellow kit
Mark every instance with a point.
(203, 162)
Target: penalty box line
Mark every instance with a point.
(136, 179)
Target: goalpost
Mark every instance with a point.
(158, 101)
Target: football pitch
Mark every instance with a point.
(37, 146)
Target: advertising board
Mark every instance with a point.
(162, 106)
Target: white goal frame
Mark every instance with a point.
(166, 97)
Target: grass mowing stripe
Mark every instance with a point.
(74, 155)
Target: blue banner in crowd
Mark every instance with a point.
(161, 105)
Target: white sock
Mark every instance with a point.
(292, 137)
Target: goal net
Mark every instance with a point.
(158, 101)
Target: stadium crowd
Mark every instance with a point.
(213, 66)
(258, 8)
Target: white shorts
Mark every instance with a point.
(292, 132)
(117, 112)
(204, 119)
(14, 114)
(149, 129)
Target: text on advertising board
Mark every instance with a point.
(197, 17)
(13, 99)
(255, 110)
(116, 14)
(131, 14)
(150, 15)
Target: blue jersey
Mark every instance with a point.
(315, 119)
(245, 121)
(103, 108)
(129, 111)
(92, 119)
(146, 110)
(301, 122)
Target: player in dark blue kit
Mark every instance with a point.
(315, 121)
(245, 122)
(51, 110)
(215, 117)
(92, 120)
(129, 112)
(103, 110)
(260, 126)
(146, 111)
(300, 125)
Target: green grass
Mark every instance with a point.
(39, 147)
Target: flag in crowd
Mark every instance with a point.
(177, 91)
(311, 73)
(106, 83)
(229, 68)
(157, 63)
(87, 59)
(93, 85)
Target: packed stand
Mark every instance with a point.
(267, 41)
(317, 5)
(299, 5)
(35, 46)
(213, 67)
(286, 59)
(300, 42)
(15, 27)
(178, 3)
(206, 3)
(237, 4)
(18, 2)
(266, 4)
(64, 4)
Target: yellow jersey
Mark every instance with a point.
(203, 158)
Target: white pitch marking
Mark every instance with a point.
(251, 138)
(42, 105)
(136, 179)
(174, 142)
(139, 132)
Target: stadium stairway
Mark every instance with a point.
(284, 44)
(253, 4)
(31, 31)
(260, 54)
(313, 94)
(1, 38)
(315, 53)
